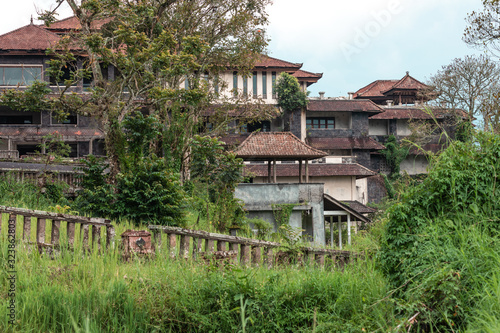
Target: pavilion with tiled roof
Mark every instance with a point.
(403, 91)
(273, 146)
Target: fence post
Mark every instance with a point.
(172, 240)
(40, 230)
(245, 254)
(234, 247)
(256, 255)
(268, 256)
(157, 238)
(184, 246)
(320, 259)
(54, 234)
(110, 236)
(70, 232)
(84, 228)
(96, 236)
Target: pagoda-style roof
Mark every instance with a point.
(404, 90)
(344, 105)
(266, 146)
(406, 83)
(315, 170)
(28, 38)
(363, 143)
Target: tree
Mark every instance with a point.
(289, 95)
(394, 154)
(484, 32)
(484, 26)
(154, 46)
(467, 83)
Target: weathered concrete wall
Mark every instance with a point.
(415, 164)
(376, 189)
(360, 126)
(339, 187)
(259, 198)
(403, 127)
(378, 126)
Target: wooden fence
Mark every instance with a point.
(100, 230)
(193, 243)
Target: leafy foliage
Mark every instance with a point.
(289, 96)
(394, 154)
(438, 229)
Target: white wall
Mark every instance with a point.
(378, 127)
(402, 127)
(415, 164)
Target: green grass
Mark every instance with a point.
(101, 293)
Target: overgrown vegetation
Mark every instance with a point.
(441, 241)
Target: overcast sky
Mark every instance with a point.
(351, 42)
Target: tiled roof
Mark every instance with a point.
(330, 203)
(359, 207)
(302, 74)
(375, 89)
(315, 170)
(350, 105)
(407, 83)
(345, 143)
(269, 62)
(276, 145)
(29, 37)
(380, 88)
(416, 112)
(233, 139)
(72, 23)
(34, 131)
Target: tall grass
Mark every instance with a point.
(99, 292)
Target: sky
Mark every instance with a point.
(353, 43)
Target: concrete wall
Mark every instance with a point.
(403, 127)
(415, 164)
(259, 198)
(339, 187)
(378, 127)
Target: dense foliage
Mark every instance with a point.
(441, 239)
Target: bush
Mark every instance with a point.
(441, 235)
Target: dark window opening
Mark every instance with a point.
(67, 71)
(19, 120)
(27, 149)
(320, 123)
(263, 126)
(70, 120)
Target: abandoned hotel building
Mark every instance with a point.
(333, 146)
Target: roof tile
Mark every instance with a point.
(315, 170)
(349, 105)
(276, 145)
(345, 143)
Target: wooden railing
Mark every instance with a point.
(69, 177)
(74, 226)
(247, 251)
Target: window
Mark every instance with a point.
(254, 79)
(320, 123)
(263, 126)
(264, 85)
(235, 83)
(19, 75)
(71, 119)
(67, 74)
(16, 120)
(273, 78)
